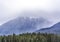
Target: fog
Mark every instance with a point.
(49, 9)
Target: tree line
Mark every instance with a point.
(31, 37)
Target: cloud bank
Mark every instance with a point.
(49, 9)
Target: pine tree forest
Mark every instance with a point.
(30, 37)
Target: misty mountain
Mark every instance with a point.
(53, 29)
(22, 25)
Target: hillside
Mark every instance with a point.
(22, 25)
(53, 29)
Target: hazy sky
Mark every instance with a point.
(10, 8)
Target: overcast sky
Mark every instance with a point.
(9, 9)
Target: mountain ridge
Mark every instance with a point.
(53, 29)
(22, 25)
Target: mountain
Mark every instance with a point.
(22, 25)
(53, 29)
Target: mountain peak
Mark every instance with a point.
(23, 25)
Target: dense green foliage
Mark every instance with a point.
(30, 37)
